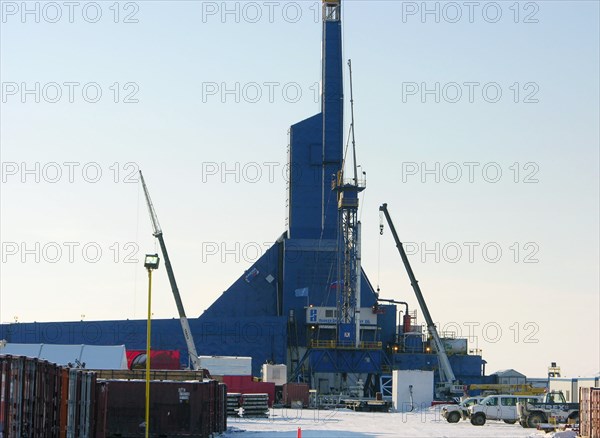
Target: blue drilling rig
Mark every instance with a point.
(306, 302)
(312, 276)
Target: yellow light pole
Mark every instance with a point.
(150, 263)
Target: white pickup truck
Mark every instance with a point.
(498, 407)
(453, 413)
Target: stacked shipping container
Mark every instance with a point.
(39, 398)
(589, 412)
(42, 399)
(191, 409)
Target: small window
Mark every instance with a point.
(508, 401)
(329, 313)
(492, 401)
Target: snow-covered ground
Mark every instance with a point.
(284, 423)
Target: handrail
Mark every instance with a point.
(332, 344)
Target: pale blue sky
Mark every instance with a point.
(172, 51)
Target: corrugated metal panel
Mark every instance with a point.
(177, 408)
(71, 404)
(34, 399)
(589, 412)
(221, 409)
(64, 401)
(100, 410)
(176, 375)
(295, 392)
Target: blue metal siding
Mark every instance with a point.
(251, 294)
(351, 361)
(316, 151)
(305, 179)
(332, 101)
(308, 264)
(465, 367)
(262, 338)
(387, 322)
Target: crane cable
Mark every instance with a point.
(379, 250)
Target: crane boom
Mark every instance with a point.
(448, 379)
(187, 334)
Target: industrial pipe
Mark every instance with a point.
(406, 320)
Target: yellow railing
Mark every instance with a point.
(345, 345)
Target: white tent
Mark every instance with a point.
(95, 357)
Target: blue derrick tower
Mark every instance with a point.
(306, 302)
(310, 277)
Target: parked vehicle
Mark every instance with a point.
(454, 413)
(553, 405)
(498, 407)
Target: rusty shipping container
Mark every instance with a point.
(295, 393)
(177, 375)
(29, 395)
(176, 408)
(589, 412)
(42, 399)
(221, 408)
(80, 404)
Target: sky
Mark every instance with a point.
(478, 124)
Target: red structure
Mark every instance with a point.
(245, 385)
(159, 359)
